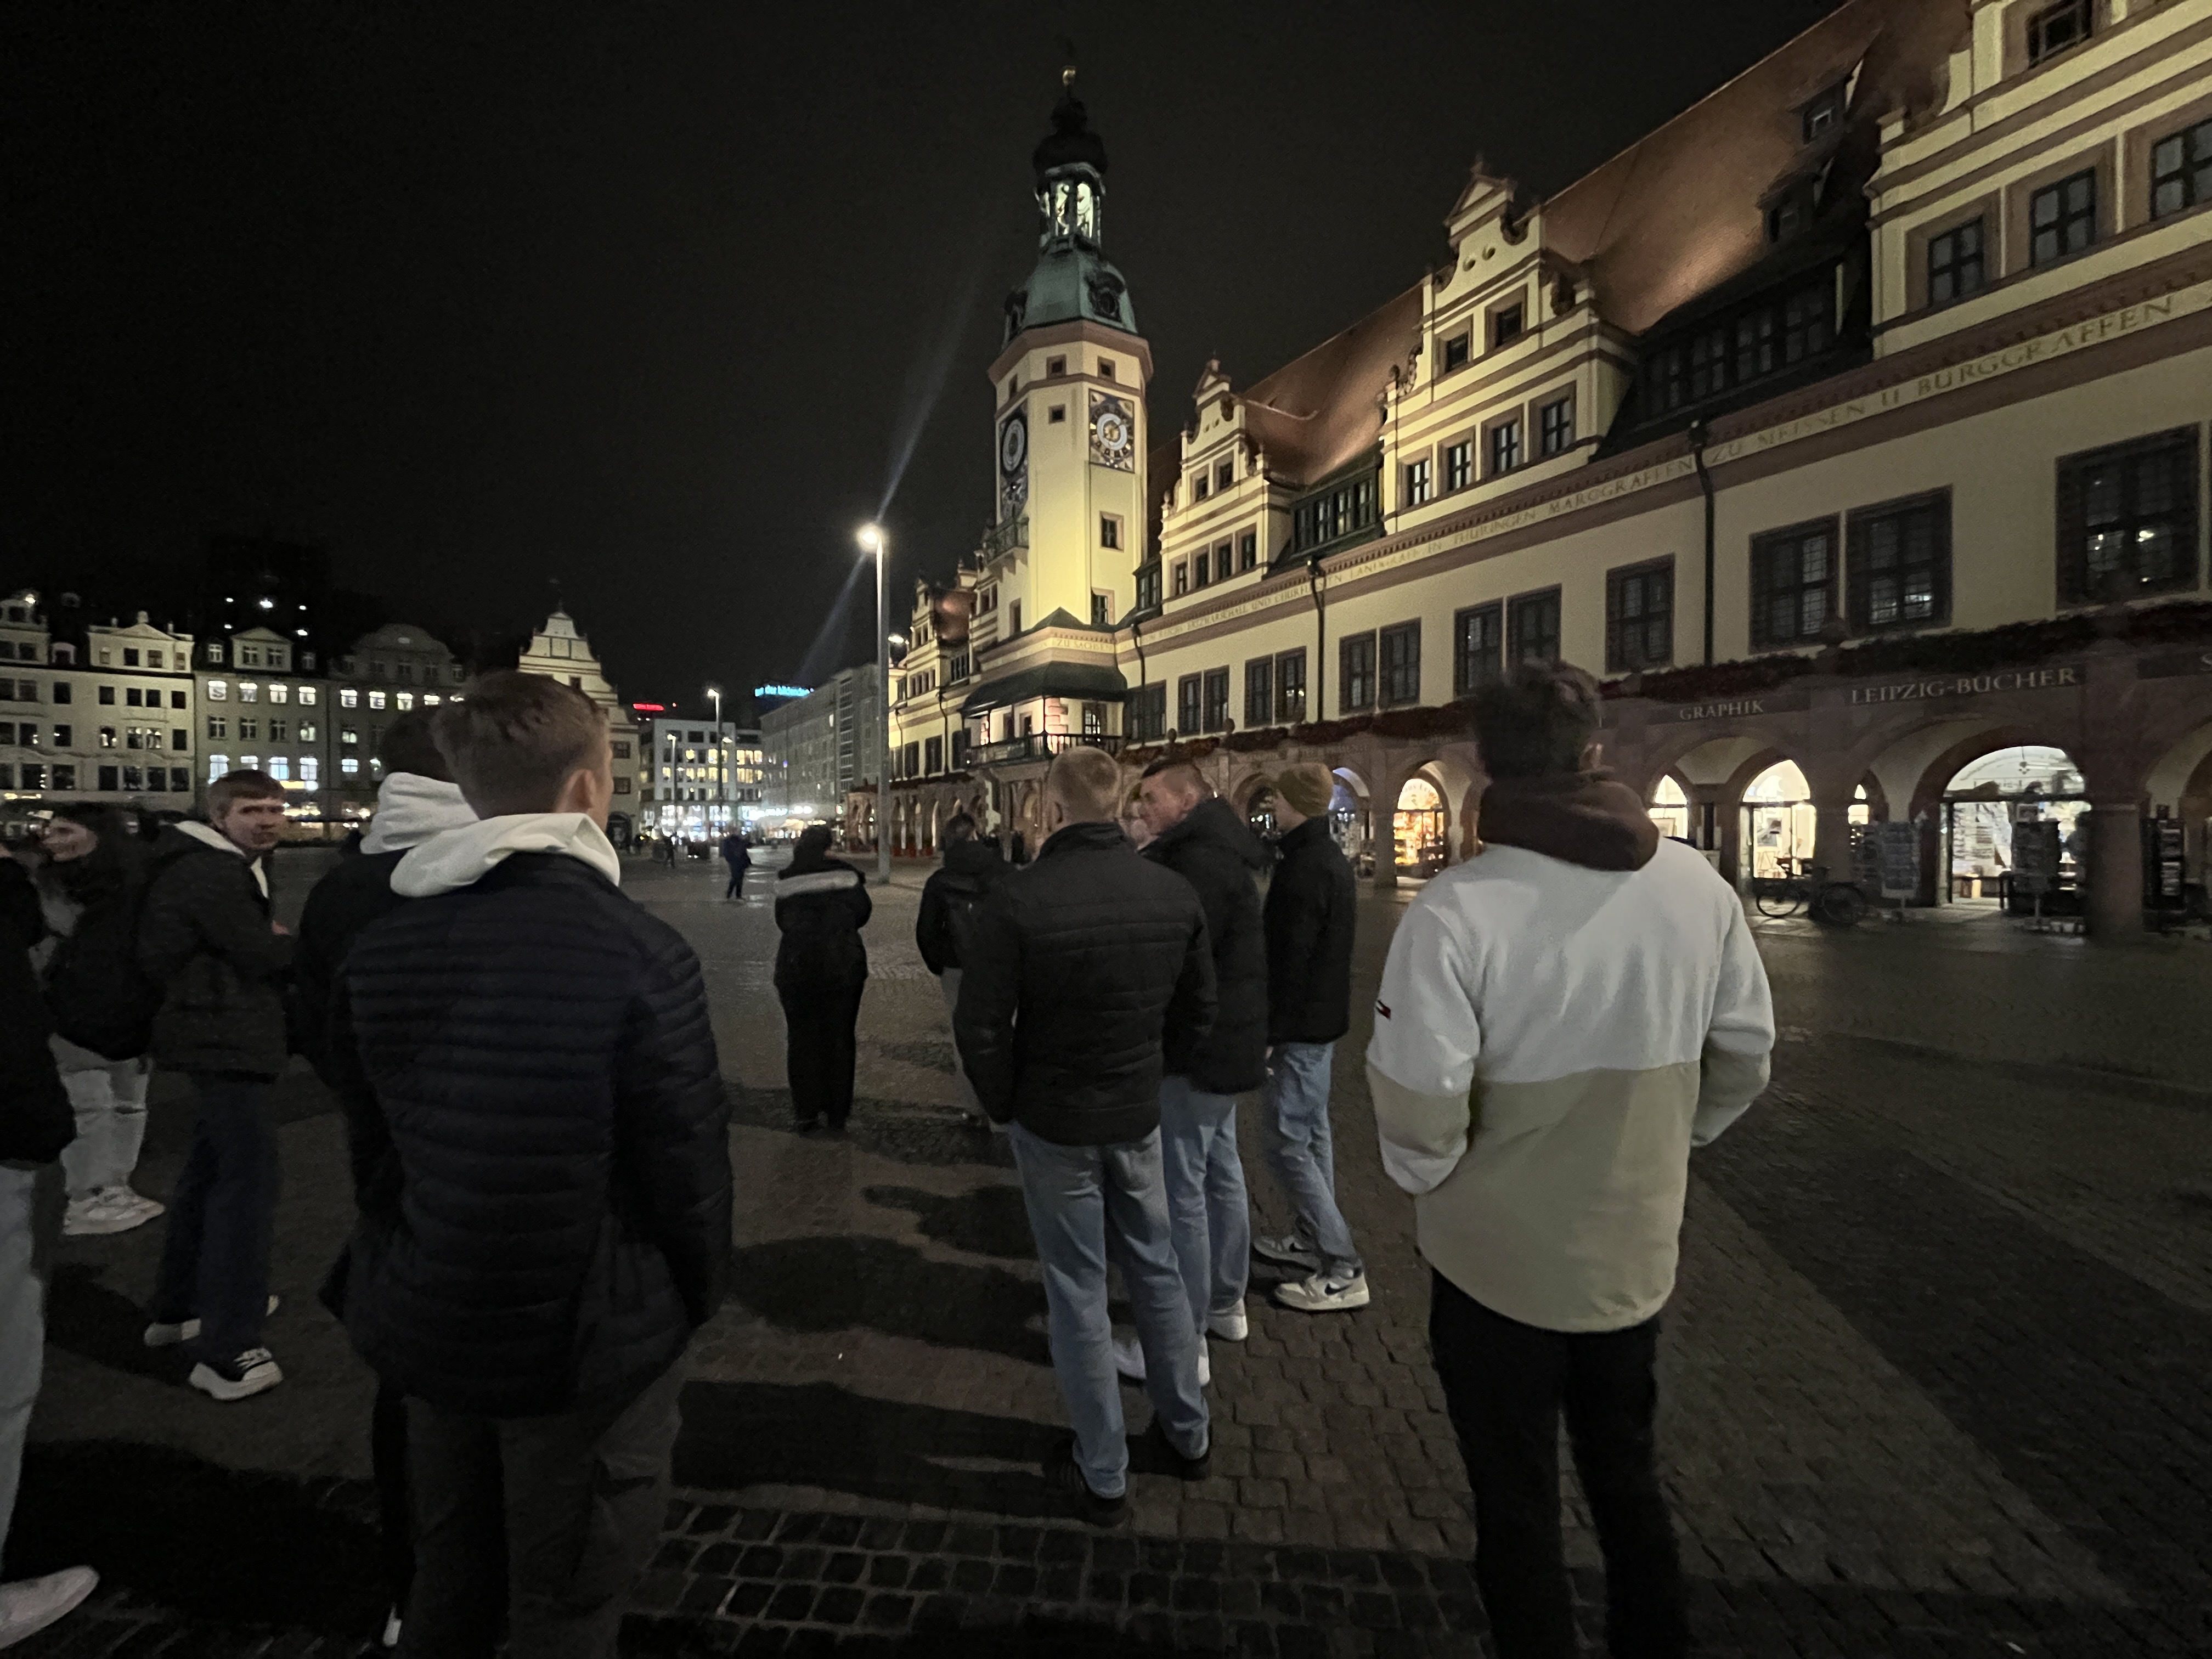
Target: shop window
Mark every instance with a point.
(2181, 170)
(1400, 653)
(2127, 519)
(1355, 674)
(1556, 426)
(1290, 687)
(1639, 617)
(1532, 627)
(1900, 574)
(1793, 580)
(2059, 28)
(1190, 699)
(1259, 693)
(1478, 647)
(1217, 700)
(1954, 263)
(2062, 218)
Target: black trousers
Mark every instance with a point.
(737, 887)
(1506, 1384)
(222, 1218)
(818, 1050)
(387, 1460)
(551, 1518)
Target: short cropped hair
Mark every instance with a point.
(1538, 720)
(517, 740)
(1181, 775)
(1087, 783)
(408, 746)
(227, 790)
(959, 827)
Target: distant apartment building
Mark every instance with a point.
(699, 777)
(817, 749)
(380, 676)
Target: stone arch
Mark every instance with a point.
(1970, 741)
(2181, 781)
(1354, 791)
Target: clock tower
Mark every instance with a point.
(1069, 388)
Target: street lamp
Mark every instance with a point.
(721, 793)
(873, 541)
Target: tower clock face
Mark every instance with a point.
(1013, 444)
(1113, 432)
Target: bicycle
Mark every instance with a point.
(1834, 903)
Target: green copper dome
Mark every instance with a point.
(1073, 281)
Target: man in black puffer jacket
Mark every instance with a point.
(952, 899)
(1084, 964)
(529, 1066)
(1200, 837)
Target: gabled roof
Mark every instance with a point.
(1319, 412)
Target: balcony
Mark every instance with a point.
(1040, 745)
(1005, 538)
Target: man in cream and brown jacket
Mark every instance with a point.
(1562, 1018)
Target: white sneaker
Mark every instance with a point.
(1230, 1327)
(1319, 1293)
(144, 1208)
(29, 1605)
(255, 1371)
(97, 1214)
(391, 1629)
(1129, 1360)
(163, 1335)
(1291, 1250)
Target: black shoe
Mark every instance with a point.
(807, 1125)
(1162, 1457)
(1063, 1476)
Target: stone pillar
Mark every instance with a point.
(1382, 835)
(2114, 906)
(1831, 839)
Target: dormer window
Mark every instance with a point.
(1224, 475)
(1201, 486)
(2059, 28)
(1824, 112)
(1505, 325)
(1791, 214)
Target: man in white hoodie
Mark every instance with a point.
(1562, 1018)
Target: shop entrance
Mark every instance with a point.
(1670, 810)
(1778, 821)
(1419, 826)
(2012, 833)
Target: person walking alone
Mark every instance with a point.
(1197, 835)
(207, 937)
(1309, 917)
(89, 894)
(1086, 967)
(738, 860)
(945, 924)
(821, 970)
(528, 1070)
(1562, 1017)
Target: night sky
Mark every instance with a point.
(649, 297)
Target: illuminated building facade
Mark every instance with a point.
(382, 675)
(699, 778)
(1852, 426)
(558, 651)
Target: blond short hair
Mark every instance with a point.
(1087, 784)
(517, 740)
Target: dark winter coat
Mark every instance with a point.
(951, 899)
(1216, 851)
(356, 890)
(35, 1118)
(1311, 913)
(1087, 965)
(204, 935)
(734, 853)
(531, 1071)
(820, 907)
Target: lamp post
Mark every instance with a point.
(873, 540)
(721, 792)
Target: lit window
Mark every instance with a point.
(218, 765)
(349, 698)
(307, 696)
(248, 692)
(218, 690)
(311, 770)
(280, 694)
(1458, 465)
(280, 767)
(1417, 481)
(349, 767)
(406, 699)
(376, 700)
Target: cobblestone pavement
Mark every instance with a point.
(1934, 1381)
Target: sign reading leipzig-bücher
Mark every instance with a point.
(1930, 688)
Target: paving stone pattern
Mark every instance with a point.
(1933, 1379)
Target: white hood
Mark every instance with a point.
(462, 857)
(214, 837)
(410, 809)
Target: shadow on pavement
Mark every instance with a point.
(988, 1221)
(88, 1318)
(815, 1434)
(211, 1542)
(837, 1283)
(905, 1131)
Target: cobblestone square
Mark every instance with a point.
(1933, 1380)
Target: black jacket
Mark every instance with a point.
(820, 907)
(205, 936)
(1215, 851)
(1311, 913)
(951, 898)
(531, 1071)
(1086, 964)
(35, 1118)
(734, 852)
(355, 891)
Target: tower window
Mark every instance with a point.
(1055, 365)
(1056, 416)
(1105, 368)
(1109, 529)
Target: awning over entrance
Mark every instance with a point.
(1092, 682)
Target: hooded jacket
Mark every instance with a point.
(533, 1095)
(203, 936)
(1215, 851)
(1087, 963)
(1311, 912)
(821, 905)
(951, 898)
(1562, 1018)
(410, 810)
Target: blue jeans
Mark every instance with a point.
(1206, 1204)
(215, 1258)
(1075, 1196)
(1301, 1153)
